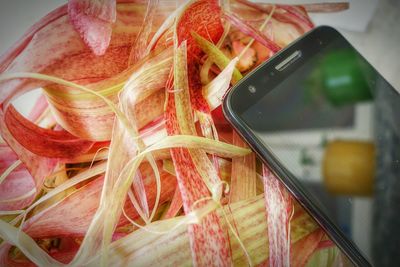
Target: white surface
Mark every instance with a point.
(356, 18)
(361, 226)
(380, 44)
(16, 16)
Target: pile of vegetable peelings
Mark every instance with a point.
(126, 158)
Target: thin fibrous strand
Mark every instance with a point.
(27, 245)
(279, 208)
(218, 87)
(216, 55)
(179, 120)
(83, 176)
(153, 164)
(43, 116)
(175, 248)
(61, 171)
(243, 174)
(196, 142)
(132, 94)
(168, 23)
(135, 203)
(24, 196)
(295, 12)
(175, 205)
(236, 235)
(140, 191)
(247, 29)
(205, 68)
(97, 154)
(9, 170)
(260, 29)
(38, 76)
(290, 14)
(139, 48)
(185, 120)
(118, 185)
(194, 217)
(10, 212)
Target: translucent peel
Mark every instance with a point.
(120, 174)
(205, 68)
(72, 60)
(250, 31)
(216, 55)
(280, 210)
(27, 245)
(11, 168)
(138, 50)
(218, 87)
(20, 185)
(267, 20)
(83, 176)
(185, 121)
(37, 76)
(219, 148)
(93, 21)
(284, 15)
(44, 142)
(127, 176)
(243, 175)
(202, 17)
(81, 206)
(210, 94)
(68, 84)
(149, 248)
(146, 248)
(196, 177)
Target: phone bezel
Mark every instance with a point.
(238, 100)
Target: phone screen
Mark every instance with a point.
(333, 123)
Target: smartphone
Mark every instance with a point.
(327, 124)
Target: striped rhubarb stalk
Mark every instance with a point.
(243, 176)
(279, 208)
(208, 240)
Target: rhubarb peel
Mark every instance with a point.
(126, 158)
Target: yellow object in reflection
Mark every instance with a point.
(349, 167)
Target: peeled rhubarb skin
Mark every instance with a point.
(208, 240)
(104, 45)
(93, 20)
(52, 46)
(82, 205)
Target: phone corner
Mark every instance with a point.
(328, 30)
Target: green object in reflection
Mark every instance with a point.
(345, 78)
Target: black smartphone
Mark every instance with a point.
(327, 124)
